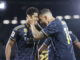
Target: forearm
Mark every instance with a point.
(36, 34)
(8, 49)
(8, 52)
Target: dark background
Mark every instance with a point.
(18, 8)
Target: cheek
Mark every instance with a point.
(42, 21)
(43, 18)
(36, 18)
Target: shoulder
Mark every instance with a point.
(18, 27)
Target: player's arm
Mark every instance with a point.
(10, 43)
(46, 32)
(36, 34)
(75, 40)
(8, 49)
(77, 44)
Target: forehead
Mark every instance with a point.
(35, 14)
(41, 15)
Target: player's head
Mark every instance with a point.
(32, 12)
(45, 15)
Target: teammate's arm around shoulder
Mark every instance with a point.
(36, 34)
(8, 49)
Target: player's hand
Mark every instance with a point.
(31, 20)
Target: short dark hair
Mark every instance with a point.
(30, 11)
(43, 11)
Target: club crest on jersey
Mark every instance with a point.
(25, 30)
(13, 33)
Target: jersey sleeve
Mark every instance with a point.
(74, 38)
(50, 29)
(14, 35)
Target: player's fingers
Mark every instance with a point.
(28, 16)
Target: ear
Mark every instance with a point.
(45, 17)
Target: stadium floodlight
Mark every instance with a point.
(59, 17)
(67, 17)
(14, 22)
(6, 21)
(23, 21)
(76, 16)
(2, 5)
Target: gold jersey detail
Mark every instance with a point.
(19, 27)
